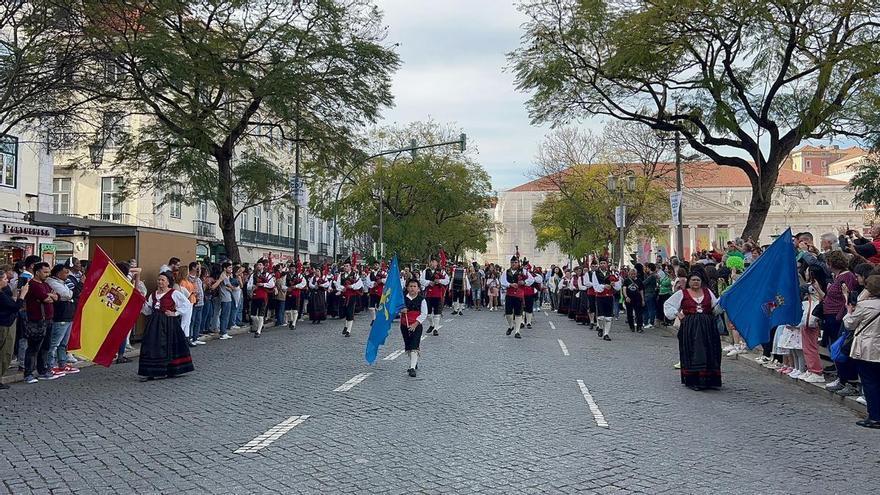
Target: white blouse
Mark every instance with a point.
(184, 307)
(673, 304)
(423, 311)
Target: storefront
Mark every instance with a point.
(20, 240)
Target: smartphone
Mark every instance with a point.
(26, 275)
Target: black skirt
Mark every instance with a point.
(317, 305)
(582, 315)
(699, 345)
(605, 306)
(412, 339)
(574, 302)
(564, 301)
(164, 349)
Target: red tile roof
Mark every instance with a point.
(704, 175)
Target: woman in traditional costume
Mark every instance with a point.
(164, 349)
(319, 284)
(699, 343)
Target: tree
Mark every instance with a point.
(581, 220)
(229, 88)
(735, 78)
(42, 62)
(866, 185)
(438, 198)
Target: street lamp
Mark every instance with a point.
(621, 185)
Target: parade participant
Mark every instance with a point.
(164, 349)
(434, 281)
(528, 293)
(377, 284)
(699, 344)
(279, 294)
(319, 284)
(296, 283)
(574, 286)
(412, 315)
(583, 285)
(260, 284)
(592, 321)
(604, 283)
(564, 293)
(634, 296)
(348, 286)
(460, 287)
(513, 280)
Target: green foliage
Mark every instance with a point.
(866, 186)
(735, 78)
(225, 87)
(580, 218)
(439, 199)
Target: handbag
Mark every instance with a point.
(36, 329)
(841, 347)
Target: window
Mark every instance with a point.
(61, 195)
(290, 226)
(808, 167)
(258, 219)
(112, 72)
(280, 224)
(202, 210)
(8, 161)
(311, 230)
(244, 219)
(269, 222)
(174, 206)
(321, 232)
(822, 202)
(110, 203)
(113, 126)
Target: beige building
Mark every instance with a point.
(714, 209)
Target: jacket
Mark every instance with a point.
(8, 308)
(866, 343)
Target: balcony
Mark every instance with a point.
(323, 248)
(202, 228)
(120, 218)
(265, 239)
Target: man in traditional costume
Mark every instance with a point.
(604, 283)
(434, 281)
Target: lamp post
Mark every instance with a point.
(627, 183)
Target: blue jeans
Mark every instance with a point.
(195, 323)
(279, 313)
(225, 317)
(475, 296)
(58, 343)
(650, 309)
(616, 307)
(237, 312)
(207, 311)
(215, 316)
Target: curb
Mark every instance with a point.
(18, 376)
(811, 388)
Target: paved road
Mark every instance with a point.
(486, 414)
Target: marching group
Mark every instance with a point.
(840, 287)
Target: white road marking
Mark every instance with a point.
(447, 321)
(562, 345)
(597, 414)
(394, 355)
(552, 325)
(345, 387)
(271, 435)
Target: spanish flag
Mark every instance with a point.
(109, 307)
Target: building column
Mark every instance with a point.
(712, 240)
(692, 232)
(672, 243)
(731, 232)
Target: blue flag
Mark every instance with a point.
(390, 304)
(767, 294)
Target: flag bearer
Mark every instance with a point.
(415, 312)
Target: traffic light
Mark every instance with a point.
(463, 142)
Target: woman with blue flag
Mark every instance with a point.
(699, 343)
(414, 312)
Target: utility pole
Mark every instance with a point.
(297, 191)
(679, 234)
(381, 214)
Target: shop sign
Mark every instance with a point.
(20, 229)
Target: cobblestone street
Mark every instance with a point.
(487, 413)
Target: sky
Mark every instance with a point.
(453, 60)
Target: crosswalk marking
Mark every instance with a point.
(394, 355)
(594, 408)
(447, 320)
(562, 345)
(552, 325)
(272, 434)
(351, 383)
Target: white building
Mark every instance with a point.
(715, 209)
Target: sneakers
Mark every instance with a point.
(59, 372)
(677, 366)
(649, 325)
(861, 400)
(30, 379)
(810, 377)
(834, 386)
(795, 374)
(763, 359)
(726, 348)
(48, 376)
(225, 337)
(772, 365)
(848, 391)
(70, 370)
(234, 327)
(200, 342)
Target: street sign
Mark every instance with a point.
(675, 205)
(620, 216)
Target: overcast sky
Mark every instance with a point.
(453, 54)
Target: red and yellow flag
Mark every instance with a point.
(109, 307)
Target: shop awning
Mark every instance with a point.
(66, 221)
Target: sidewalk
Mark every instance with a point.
(13, 376)
(749, 359)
